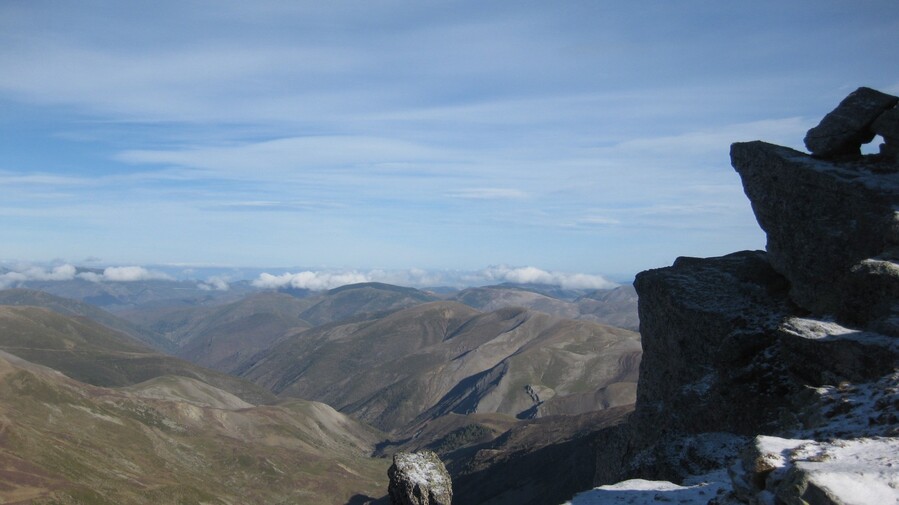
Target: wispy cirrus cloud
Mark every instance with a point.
(418, 134)
(489, 194)
(316, 152)
(271, 206)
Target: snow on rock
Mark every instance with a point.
(776, 470)
(419, 478)
(857, 410)
(696, 490)
(843, 472)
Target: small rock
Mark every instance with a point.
(419, 479)
(846, 128)
(760, 466)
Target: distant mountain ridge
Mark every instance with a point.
(98, 355)
(437, 358)
(357, 300)
(117, 296)
(69, 307)
(615, 307)
(163, 442)
(223, 336)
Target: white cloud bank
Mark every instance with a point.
(67, 272)
(322, 280)
(35, 273)
(214, 283)
(124, 274)
(534, 275)
(316, 281)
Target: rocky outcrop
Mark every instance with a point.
(419, 479)
(846, 128)
(717, 315)
(788, 352)
(832, 229)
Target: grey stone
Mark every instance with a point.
(419, 478)
(822, 352)
(832, 229)
(796, 489)
(711, 364)
(846, 128)
(887, 125)
(760, 466)
(703, 322)
(890, 150)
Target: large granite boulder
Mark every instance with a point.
(846, 128)
(419, 478)
(832, 229)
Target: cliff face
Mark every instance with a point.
(832, 229)
(751, 343)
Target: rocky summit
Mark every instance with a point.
(771, 376)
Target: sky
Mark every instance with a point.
(579, 137)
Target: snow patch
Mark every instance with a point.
(824, 330)
(698, 489)
(424, 472)
(860, 410)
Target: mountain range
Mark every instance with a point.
(369, 368)
(429, 360)
(615, 307)
(172, 440)
(95, 354)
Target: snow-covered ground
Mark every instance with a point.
(849, 454)
(699, 489)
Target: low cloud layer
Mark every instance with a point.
(66, 272)
(214, 284)
(124, 274)
(35, 273)
(316, 281)
(321, 280)
(534, 275)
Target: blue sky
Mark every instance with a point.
(584, 136)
